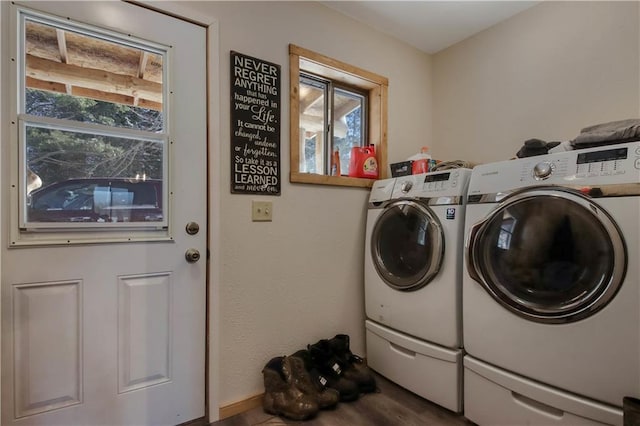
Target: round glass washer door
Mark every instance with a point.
(548, 255)
(407, 245)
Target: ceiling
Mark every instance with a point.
(81, 65)
(430, 26)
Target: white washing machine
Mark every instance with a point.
(551, 291)
(413, 277)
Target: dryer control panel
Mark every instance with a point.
(605, 165)
(608, 162)
(434, 184)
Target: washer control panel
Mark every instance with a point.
(433, 184)
(382, 190)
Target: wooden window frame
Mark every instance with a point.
(375, 85)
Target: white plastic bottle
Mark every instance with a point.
(420, 161)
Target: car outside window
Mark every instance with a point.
(97, 200)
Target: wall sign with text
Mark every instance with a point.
(255, 126)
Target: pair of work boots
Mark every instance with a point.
(344, 371)
(299, 385)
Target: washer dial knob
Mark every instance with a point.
(406, 186)
(542, 170)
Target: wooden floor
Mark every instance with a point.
(390, 406)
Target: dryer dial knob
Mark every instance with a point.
(406, 186)
(542, 170)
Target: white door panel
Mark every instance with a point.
(112, 333)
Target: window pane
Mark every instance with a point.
(309, 151)
(348, 124)
(312, 126)
(89, 177)
(93, 123)
(74, 75)
(305, 64)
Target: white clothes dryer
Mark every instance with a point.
(551, 291)
(413, 277)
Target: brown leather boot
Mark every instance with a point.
(311, 382)
(281, 396)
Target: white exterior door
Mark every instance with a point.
(103, 317)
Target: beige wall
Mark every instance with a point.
(545, 73)
(279, 286)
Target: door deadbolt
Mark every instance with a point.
(192, 255)
(192, 228)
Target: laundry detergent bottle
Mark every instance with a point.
(363, 162)
(420, 162)
(335, 163)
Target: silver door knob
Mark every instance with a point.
(192, 228)
(192, 255)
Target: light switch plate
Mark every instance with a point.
(261, 211)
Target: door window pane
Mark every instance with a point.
(60, 154)
(94, 177)
(93, 139)
(82, 77)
